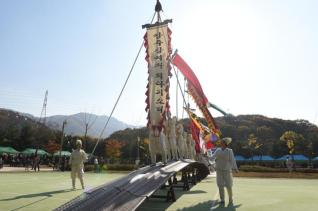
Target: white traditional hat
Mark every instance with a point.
(227, 140)
(78, 142)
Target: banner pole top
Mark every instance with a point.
(158, 7)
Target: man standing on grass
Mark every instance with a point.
(289, 164)
(225, 162)
(1, 162)
(96, 166)
(77, 159)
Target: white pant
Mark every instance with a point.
(224, 178)
(79, 172)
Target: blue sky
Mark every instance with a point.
(252, 57)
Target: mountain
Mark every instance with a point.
(14, 118)
(76, 124)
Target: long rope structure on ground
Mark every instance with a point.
(130, 191)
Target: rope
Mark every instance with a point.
(121, 92)
(177, 96)
(184, 101)
(184, 84)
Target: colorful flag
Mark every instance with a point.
(209, 145)
(195, 132)
(214, 137)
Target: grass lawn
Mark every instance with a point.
(43, 190)
(250, 194)
(47, 190)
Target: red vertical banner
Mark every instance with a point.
(196, 91)
(195, 132)
(190, 76)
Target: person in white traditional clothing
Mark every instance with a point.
(191, 147)
(157, 145)
(180, 140)
(289, 164)
(173, 137)
(77, 159)
(225, 163)
(96, 166)
(163, 146)
(1, 162)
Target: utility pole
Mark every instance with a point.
(138, 157)
(85, 141)
(43, 112)
(88, 124)
(62, 141)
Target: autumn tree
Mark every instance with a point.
(113, 149)
(252, 144)
(292, 139)
(144, 152)
(52, 147)
(312, 137)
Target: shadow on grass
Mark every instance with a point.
(208, 181)
(47, 194)
(43, 194)
(162, 204)
(211, 206)
(194, 192)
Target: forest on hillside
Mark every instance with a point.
(252, 135)
(19, 131)
(268, 134)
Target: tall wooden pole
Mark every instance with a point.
(85, 135)
(137, 161)
(62, 141)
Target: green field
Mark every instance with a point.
(47, 190)
(43, 190)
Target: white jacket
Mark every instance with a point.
(78, 157)
(224, 159)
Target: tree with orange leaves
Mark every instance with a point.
(113, 149)
(52, 147)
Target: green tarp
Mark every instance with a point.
(66, 153)
(8, 150)
(29, 151)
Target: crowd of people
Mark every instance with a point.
(31, 162)
(34, 162)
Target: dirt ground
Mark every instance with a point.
(296, 174)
